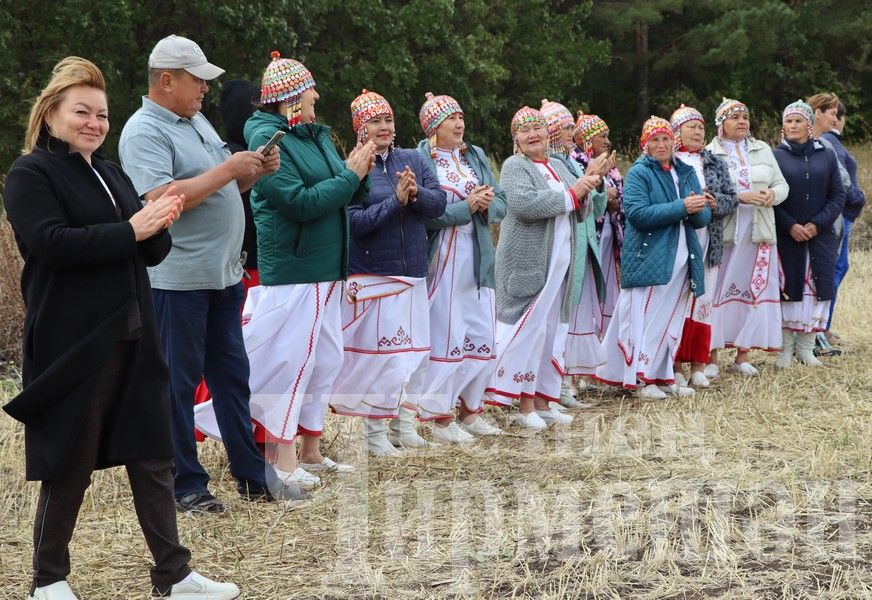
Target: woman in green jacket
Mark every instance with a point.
(584, 352)
(294, 331)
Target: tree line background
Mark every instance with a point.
(621, 60)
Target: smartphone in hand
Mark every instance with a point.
(275, 139)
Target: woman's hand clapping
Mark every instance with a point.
(157, 214)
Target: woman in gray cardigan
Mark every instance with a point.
(535, 280)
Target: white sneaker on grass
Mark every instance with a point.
(197, 587)
(328, 464)
(301, 476)
(744, 368)
(711, 371)
(59, 590)
(681, 391)
(480, 427)
(531, 420)
(680, 379)
(698, 379)
(650, 392)
(553, 416)
(452, 434)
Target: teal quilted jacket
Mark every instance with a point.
(655, 219)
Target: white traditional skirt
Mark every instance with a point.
(747, 311)
(697, 334)
(462, 325)
(530, 352)
(293, 338)
(584, 352)
(810, 314)
(611, 276)
(386, 332)
(645, 331)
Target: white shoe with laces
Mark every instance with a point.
(59, 590)
(553, 416)
(698, 379)
(651, 392)
(452, 434)
(744, 368)
(480, 427)
(530, 420)
(301, 476)
(197, 587)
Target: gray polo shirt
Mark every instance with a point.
(158, 146)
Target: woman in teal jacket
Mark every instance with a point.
(461, 276)
(294, 331)
(662, 266)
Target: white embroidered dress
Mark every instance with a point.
(747, 309)
(462, 315)
(530, 353)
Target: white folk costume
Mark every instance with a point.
(293, 339)
(810, 314)
(747, 310)
(462, 315)
(530, 351)
(386, 332)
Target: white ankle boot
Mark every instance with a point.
(376, 434)
(788, 343)
(404, 432)
(805, 350)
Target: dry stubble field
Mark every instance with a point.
(755, 489)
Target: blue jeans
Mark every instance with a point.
(201, 335)
(841, 267)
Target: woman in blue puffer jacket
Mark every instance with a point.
(386, 323)
(662, 267)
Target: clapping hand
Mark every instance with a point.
(157, 214)
(361, 159)
(407, 186)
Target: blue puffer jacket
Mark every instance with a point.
(655, 218)
(387, 238)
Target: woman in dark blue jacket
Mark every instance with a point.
(662, 267)
(386, 326)
(807, 243)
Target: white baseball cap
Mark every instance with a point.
(176, 52)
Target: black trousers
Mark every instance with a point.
(151, 482)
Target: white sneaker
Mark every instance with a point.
(681, 391)
(711, 371)
(197, 587)
(680, 379)
(531, 420)
(301, 476)
(698, 379)
(59, 590)
(651, 392)
(328, 465)
(744, 368)
(452, 434)
(553, 417)
(480, 427)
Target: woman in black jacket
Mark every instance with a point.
(95, 383)
(807, 243)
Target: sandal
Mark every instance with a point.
(197, 502)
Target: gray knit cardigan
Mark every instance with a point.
(717, 180)
(527, 236)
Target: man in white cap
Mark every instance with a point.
(197, 289)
